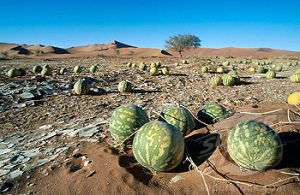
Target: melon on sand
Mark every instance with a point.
(82, 87)
(179, 117)
(124, 86)
(294, 98)
(215, 80)
(254, 146)
(212, 112)
(125, 120)
(158, 146)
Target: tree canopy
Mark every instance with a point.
(181, 42)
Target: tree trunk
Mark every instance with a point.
(180, 53)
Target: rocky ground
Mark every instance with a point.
(55, 142)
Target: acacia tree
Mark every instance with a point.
(181, 42)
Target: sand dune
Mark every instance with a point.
(238, 52)
(116, 48)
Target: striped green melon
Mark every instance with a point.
(278, 68)
(37, 69)
(251, 70)
(220, 69)
(129, 64)
(204, 69)
(179, 117)
(124, 86)
(13, 72)
(158, 146)
(165, 71)
(215, 80)
(77, 69)
(270, 74)
(212, 112)
(133, 65)
(254, 146)
(295, 78)
(93, 68)
(22, 71)
(82, 87)
(142, 66)
(46, 71)
(226, 63)
(260, 69)
(125, 120)
(153, 71)
(235, 75)
(62, 71)
(184, 62)
(228, 80)
(158, 64)
(153, 65)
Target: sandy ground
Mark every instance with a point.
(114, 171)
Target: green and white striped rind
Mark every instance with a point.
(142, 66)
(37, 69)
(228, 80)
(215, 111)
(165, 71)
(215, 81)
(278, 68)
(204, 69)
(153, 71)
(254, 146)
(46, 71)
(81, 87)
(295, 78)
(158, 146)
(270, 75)
(125, 120)
(180, 118)
(260, 69)
(77, 69)
(124, 86)
(13, 72)
(93, 68)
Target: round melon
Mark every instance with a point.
(13, 72)
(260, 69)
(46, 71)
(254, 146)
(93, 68)
(129, 64)
(165, 71)
(180, 118)
(294, 98)
(142, 66)
(220, 70)
(153, 71)
(295, 78)
(212, 112)
(251, 70)
(270, 74)
(228, 80)
(215, 81)
(125, 120)
(153, 65)
(278, 68)
(77, 69)
(82, 87)
(158, 146)
(37, 69)
(124, 86)
(204, 69)
(226, 63)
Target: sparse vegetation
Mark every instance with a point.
(181, 42)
